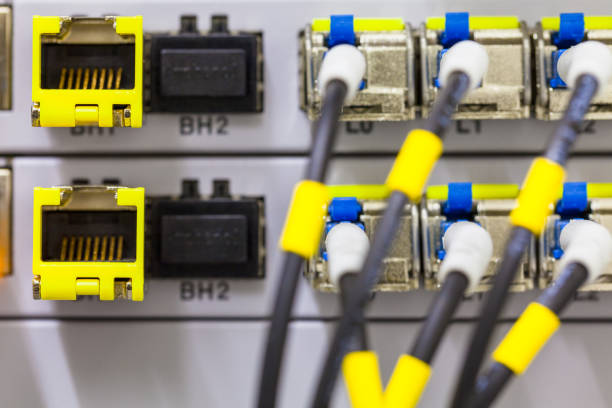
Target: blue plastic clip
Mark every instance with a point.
(571, 30)
(440, 55)
(573, 205)
(457, 28)
(445, 225)
(574, 201)
(557, 251)
(341, 30)
(458, 207)
(344, 209)
(459, 201)
(555, 81)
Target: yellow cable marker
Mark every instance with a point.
(478, 23)
(360, 191)
(414, 163)
(590, 23)
(494, 191)
(526, 337)
(599, 190)
(362, 378)
(479, 191)
(538, 194)
(363, 24)
(305, 219)
(407, 382)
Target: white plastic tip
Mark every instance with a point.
(589, 57)
(346, 63)
(468, 250)
(468, 57)
(588, 243)
(347, 246)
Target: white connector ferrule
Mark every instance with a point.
(588, 243)
(589, 57)
(347, 246)
(468, 57)
(468, 250)
(346, 63)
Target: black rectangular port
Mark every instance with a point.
(200, 238)
(88, 236)
(196, 239)
(210, 73)
(87, 66)
(216, 72)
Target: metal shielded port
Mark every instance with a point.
(6, 58)
(204, 72)
(387, 91)
(487, 205)
(87, 71)
(579, 200)
(364, 206)
(551, 38)
(222, 235)
(88, 240)
(505, 91)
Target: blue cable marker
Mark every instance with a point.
(459, 201)
(341, 30)
(456, 28)
(573, 205)
(439, 59)
(571, 30)
(556, 81)
(344, 209)
(574, 201)
(458, 207)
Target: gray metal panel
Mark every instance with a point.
(282, 127)
(216, 364)
(272, 178)
(155, 360)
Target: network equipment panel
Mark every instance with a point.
(221, 152)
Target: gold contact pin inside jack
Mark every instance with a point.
(79, 248)
(62, 78)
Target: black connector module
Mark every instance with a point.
(220, 71)
(195, 237)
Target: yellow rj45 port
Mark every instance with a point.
(88, 240)
(87, 71)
